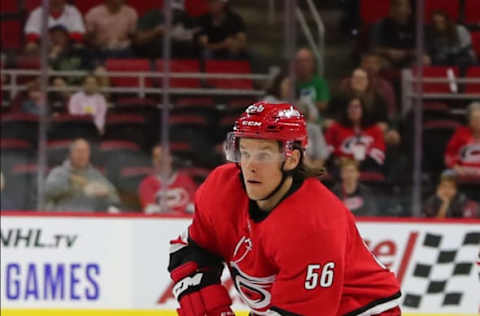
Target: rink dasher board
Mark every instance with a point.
(116, 265)
(136, 313)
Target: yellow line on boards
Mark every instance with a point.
(99, 312)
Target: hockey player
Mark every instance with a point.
(291, 246)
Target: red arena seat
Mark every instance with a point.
(229, 67)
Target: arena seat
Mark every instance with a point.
(451, 7)
(372, 11)
(476, 42)
(21, 185)
(438, 72)
(472, 12)
(66, 126)
(20, 126)
(230, 67)
(180, 65)
(11, 34)
(128, 127)
(473, 72)
(129, 65)
(196, 8)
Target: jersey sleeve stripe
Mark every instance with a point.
(378, 306)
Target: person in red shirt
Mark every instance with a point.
(179, 193)
(291, 246)
(354, 136)
(463, 149)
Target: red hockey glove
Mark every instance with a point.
(196, 274)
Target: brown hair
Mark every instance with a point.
(451, 31)
(302, 171)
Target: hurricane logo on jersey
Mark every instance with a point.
(254, 291)
(470, 153)
(349, 143)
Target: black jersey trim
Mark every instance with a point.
(258, 215)
(365, 308)
(283, 312)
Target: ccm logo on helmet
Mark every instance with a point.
(254, 109)
(185, 283)
(251, 123)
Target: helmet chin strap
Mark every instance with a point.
(284, 177)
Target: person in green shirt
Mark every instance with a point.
(310, 86)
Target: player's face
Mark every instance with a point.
(261, 162)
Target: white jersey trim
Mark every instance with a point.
(378, 309)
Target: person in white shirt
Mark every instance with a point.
(90, 101)
(60, 14)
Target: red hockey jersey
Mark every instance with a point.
(343, 141)
(306, 256)
(180, 192)
(463, 149)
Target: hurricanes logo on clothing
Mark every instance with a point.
(348, 144)
(254, 291)
(470, 153)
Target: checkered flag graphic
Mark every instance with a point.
(439, 275)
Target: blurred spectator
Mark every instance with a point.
(90, 101)
(278, 89)
(372, 63)
(355, 137)
(60, 14)
(110, 27)
(463, 149)
(357, 197)
(151, 28)
(179, 194)
(64, 56)
(77, 186)
(449, 202)
(278, 92)
(394, 36)
(33, 99)
(448, 43)
(222, 32)
(317, 151)
(59, 98)
(5, 202)
(311, 87)
(361, 86)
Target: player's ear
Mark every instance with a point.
(292, 161)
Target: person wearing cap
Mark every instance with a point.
(222, 32)
(148, 38)
(60, 13)
(291, 246)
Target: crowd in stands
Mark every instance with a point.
(356, 128)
